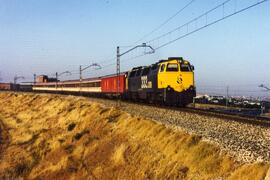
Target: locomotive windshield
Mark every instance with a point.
(172, 67)
(185, 67)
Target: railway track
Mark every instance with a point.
(245, 137)
(242, 118)
(254, 120)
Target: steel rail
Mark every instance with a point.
(242, 118)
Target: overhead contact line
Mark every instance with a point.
(166, 21)
(207, 24)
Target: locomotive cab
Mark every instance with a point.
(176, 81)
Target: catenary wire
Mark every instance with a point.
(198, 29)
(165, 22)
(212, 23)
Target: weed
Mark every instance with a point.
(21, 169)
(79, 135)
(90, 139)
(113, 118)
(61, 140)
(103, 111)
(71, 126)
(69, 149)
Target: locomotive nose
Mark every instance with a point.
(179, 79)
(187, 80)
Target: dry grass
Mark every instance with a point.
(67, 137)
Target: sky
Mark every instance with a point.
(47, 36)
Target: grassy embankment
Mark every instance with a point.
(50, 136)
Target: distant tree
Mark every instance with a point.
(265, 87)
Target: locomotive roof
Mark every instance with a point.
(139, 67)
(170, 58)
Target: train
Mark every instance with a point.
(15, 87)
(170, 82)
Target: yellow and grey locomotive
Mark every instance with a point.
(169, 81)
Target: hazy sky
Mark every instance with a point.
(48, 36)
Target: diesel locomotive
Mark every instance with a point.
(169, 82)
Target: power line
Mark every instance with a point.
(148, 34)
(189, 22)
(222, 5)
(186, 25)
(125, 60)
(207, 24)
(165, 22)
(190, 2)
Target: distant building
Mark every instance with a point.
(44, 78)
(232, 101)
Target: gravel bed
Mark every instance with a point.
(246, 142)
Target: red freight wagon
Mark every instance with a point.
(109, 84)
